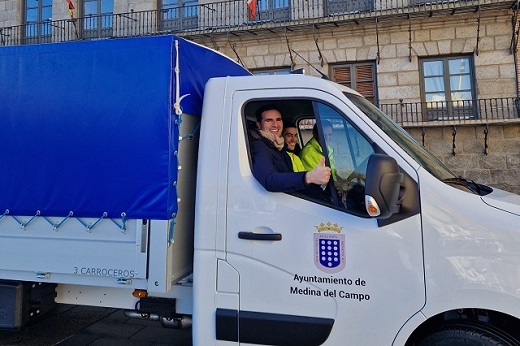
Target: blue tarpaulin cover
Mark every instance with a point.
(89, 127)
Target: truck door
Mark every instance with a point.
(313, 271)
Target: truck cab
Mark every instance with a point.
(293, 269)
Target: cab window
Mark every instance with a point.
(348, 154)
(329, 134)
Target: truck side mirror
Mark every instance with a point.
(383, 186)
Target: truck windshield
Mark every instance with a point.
(415, 150)
(403, 139)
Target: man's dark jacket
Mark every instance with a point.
(273, 167)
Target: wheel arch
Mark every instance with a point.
(471, 317)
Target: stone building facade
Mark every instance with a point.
(398, 72)
(388, 53)
(490, 155)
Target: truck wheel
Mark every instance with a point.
(467, 336)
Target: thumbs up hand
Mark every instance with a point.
(319, 175)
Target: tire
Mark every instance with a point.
(467, 336)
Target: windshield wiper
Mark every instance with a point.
(470, 184)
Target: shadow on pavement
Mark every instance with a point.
(85, 325)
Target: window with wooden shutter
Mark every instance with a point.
(360, 77)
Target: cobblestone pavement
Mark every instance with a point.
(81, 325)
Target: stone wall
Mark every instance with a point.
(499, 168)
(397, 76)
(10, 12)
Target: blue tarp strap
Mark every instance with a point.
(56, 225)
(6, 212)
(192, 134)
(24, 224)
(89, 227)
(122, 227)
(172, 231)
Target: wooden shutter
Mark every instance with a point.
(342, 75)
(365, 81)
(360, 77)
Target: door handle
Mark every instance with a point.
(259, 236)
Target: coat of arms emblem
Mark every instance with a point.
(329, 248)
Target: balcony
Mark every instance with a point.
(224, 17)
(232, 17)
(469, 112)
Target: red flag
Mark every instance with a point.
(71, 7)
(251, 4)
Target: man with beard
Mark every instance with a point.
(272, 166)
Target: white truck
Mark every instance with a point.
(126, 181)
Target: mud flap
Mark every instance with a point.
(23, 302)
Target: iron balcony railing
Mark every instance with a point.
(467, 111)
(235, 16)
